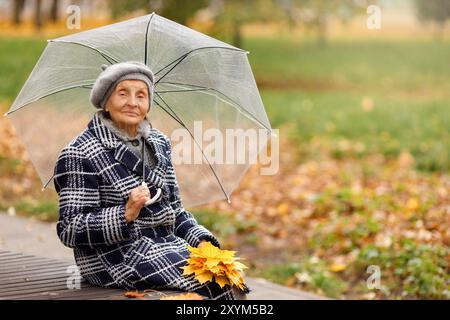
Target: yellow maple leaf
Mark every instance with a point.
(219, 269)
(213, 262)
(204, 276)
(188, 269)
(240, 266)
(210, 263)
(222, 281)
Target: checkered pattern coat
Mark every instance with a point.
(94, 176)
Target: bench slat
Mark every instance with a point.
(32, 266)
(36, 282)
(34, 271)
(27, 278)
(30, 277)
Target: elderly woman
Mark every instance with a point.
(121, 239)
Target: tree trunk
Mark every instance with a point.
(54, 11)
(17, 13)
(237, 35)
(38, 14)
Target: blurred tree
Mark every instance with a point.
(38, 14)
(176, 10)
(316, 14)
(437, 11)
(180, 10)
(119, 8)
(17, 11)
(54, 11)
(231, 15)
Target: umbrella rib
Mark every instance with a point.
(146, 36)
(178, 60)
(173, 113)
(107, 57)
(188, 90)
(185, 84)
(190, 133)
(47, 95)
(173, 67)
(46, 184)
(200, 88)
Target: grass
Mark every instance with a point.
(408, 270)
(359, 97)
(44, 210)
(18, 57)
(355, 124)
(417, 270)
(373, 64)
(222, 224)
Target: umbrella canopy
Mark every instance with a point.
(199, 81)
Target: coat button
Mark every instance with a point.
(135, 142)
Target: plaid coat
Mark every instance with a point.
(94, 175)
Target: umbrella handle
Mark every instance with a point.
(155, 197)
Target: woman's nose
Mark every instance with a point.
(132, 101)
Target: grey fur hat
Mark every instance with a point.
(115, 73)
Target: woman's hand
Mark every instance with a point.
(138, 197)
(202, 243)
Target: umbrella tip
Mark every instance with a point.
(5, 114)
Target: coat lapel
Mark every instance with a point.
(126, 157)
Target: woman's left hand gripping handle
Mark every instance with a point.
(139, 196)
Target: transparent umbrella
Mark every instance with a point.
(201, 84)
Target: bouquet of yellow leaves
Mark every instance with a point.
(209, 263)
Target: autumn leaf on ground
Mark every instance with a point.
(184, 296)
(134, 294)
(338, 267)
(209, 263)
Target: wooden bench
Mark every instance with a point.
(30, 277)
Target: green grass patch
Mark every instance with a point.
(410, 270)
(346, 129)
(42, 210)
(18, 57)
(222, 224)
(370, 64)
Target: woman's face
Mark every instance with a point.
(128, 103)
